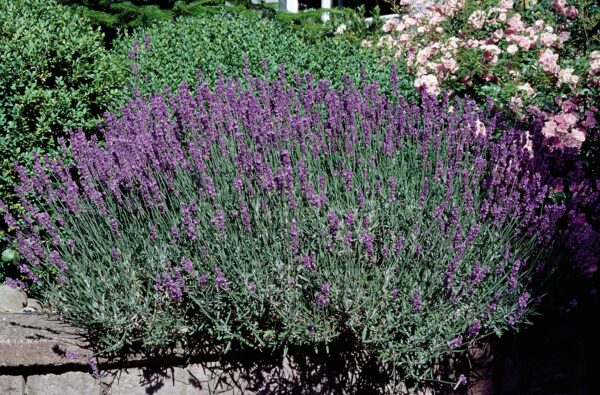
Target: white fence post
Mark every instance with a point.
(288, 5)
(326, 4)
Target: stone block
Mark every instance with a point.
(38, 340)
(210, 378)
(70, 383)
(11, 299)
(143, 381)
(12, 385)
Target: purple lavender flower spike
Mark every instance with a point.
(474, 328)
(455, 342)
(309, 261)
(93, 367)
(221, 282)
(349, 218)
(218, 221)
(114, 226)
(153, 233)
(417, 305)
(186, 264)
(72, 355)
(202, 280)
(57, 260)
(323, 297)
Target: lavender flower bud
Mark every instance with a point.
(456, 342)
(416, 302)
(220, 280)
(475, 328)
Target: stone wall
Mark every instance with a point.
(40, 355)
(192, 379)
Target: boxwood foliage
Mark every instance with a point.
(54, 74)
(170, 53)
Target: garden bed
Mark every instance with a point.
(268, 223)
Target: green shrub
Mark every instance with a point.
(266, 217)
(113, 15)
(223, 41)
(54, 74)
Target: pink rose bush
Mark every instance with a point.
(523, 58)
(540, 63)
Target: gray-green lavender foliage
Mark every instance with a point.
(258, 215)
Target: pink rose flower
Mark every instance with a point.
(571, 12)
(516, 24)
(480, 129)
(491, 53)
(575, 139)
(590, 120)
(566, 76)
(568, 106)
(450, 64)
(548, 39)
(439, 69)
(549, 129)
(471, 43)
(497, 36)
(512, 49)
(390, 25)
(564, 37)
(527, 89)
(424, 55)
(560, 6)
(453, 42)
(430, 83)
(436, 20)
(477, 19)
(523, 42)
(548, 59)
(539, 25)
(595, 62)
(570, 119)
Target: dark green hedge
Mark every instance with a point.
(54, 74)
(223, 41)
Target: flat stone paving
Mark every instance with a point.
(12, 385)
(36, 339)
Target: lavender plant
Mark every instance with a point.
(256, 214)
